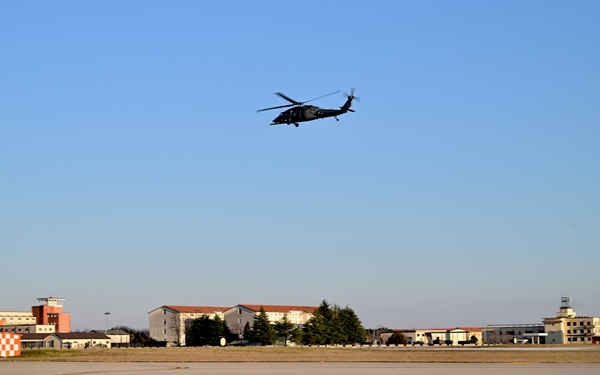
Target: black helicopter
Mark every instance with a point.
(301, 112)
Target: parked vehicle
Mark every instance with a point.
(439, 342)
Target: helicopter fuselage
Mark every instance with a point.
(299, 112)
(305, 113)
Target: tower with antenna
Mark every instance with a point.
(50, 311)
(565, 309)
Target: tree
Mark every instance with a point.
(138, 337)
(206, 331)
(334, 325)
(285, 329)
(397, 338)
(314, 331)
(263, 332)
(354, 332)
(248, 332)
(474, 339)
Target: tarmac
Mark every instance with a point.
(292, 368)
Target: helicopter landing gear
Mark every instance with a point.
(336, 119)
(296, 125)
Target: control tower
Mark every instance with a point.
(50, 311)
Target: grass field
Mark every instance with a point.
(303, 354)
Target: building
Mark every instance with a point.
(16, 318)
(118, 337)
(77, 340)
(69, 340)
(168, 322)
(568, 328)
(50, 311)
(495, 334)
(437, 336)
(28, 328)
(236, 317)
(34, 340)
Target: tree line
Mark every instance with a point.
(329, 325)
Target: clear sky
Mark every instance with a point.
(135, 171)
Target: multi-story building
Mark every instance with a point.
(28, 328)
(236, 317)
(50, 311)
(47, 317)
(168, 323)
(568, 328)
(16, 318)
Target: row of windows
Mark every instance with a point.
(580, 323)
(573, 339)
(12, 318)
(580, 331)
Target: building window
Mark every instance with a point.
(239, 311)
(568, 323)
(164, 312)
(165, 332)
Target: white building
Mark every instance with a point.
(118, 337)
(568, 328)
(17, 317)
(168, 323)
(28, 328)
(437, 336)
(236, 317)
(70, 340)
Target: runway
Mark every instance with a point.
(292, 368)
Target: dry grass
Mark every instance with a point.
(303, 354)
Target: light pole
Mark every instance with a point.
(107, 314)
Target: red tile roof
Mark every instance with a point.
(280, 308)
(198, 309)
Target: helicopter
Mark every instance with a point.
(301, 113)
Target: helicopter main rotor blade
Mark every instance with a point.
(335, 92)
(281, 106)
(294, 103)
(288, 98)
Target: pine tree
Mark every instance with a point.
(285, 329)
(262, 330)
(334, 325)
(206, 331)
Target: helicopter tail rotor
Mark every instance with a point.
(351, 95)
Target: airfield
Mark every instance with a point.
(302, 360)
(293, 368)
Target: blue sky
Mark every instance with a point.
(464, 190)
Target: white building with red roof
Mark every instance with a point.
(236, 317)
(168, 322)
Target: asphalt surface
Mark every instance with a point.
(292, 368)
